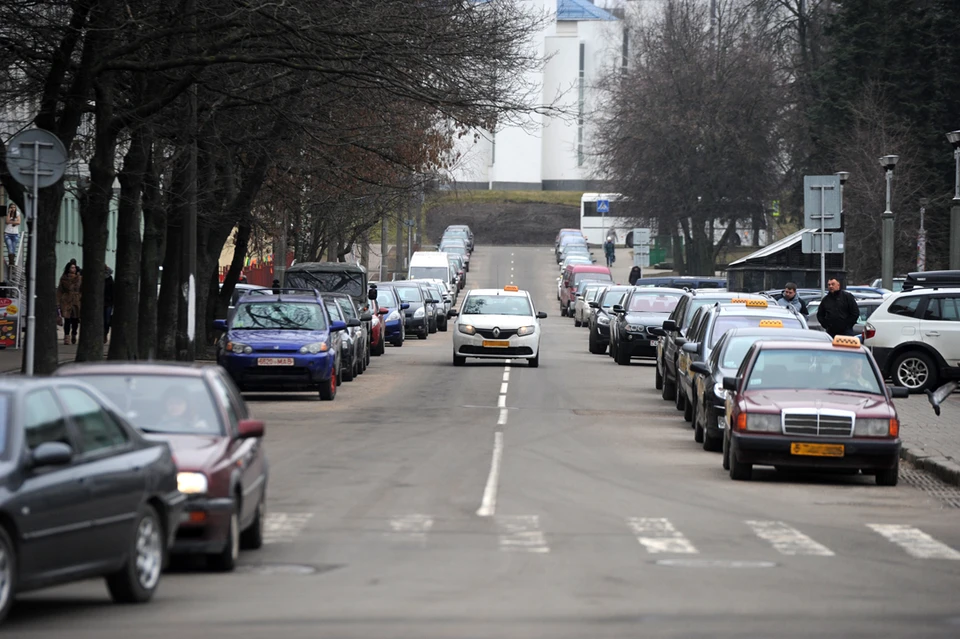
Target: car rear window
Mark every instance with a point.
(577, 277)
(351, 283)
(725, 322)
(737, 348)
(827, 370)
(652, 302)
(409, 293)
(167, 404)
(295, 316)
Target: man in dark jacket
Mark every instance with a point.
(838, 312)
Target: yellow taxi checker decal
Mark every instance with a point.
(757, 303)
(846, 341)
(771, 324)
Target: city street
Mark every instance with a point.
(566, 501)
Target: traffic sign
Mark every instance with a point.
(26, 147)
(828, 242)
(821, 202)
(603, 206)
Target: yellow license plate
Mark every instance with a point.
(817, 450)
(496, 343)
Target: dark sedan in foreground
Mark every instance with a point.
(82, 493)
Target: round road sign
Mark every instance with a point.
(22, 152)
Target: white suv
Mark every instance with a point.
(915, 337)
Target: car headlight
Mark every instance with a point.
(419, 312)
(719, 391)
(313, 349)
(237, 347)
(466, 329)
(526, 330)
(763, 423)
(603, 320)
(876, 428)
(634, 328)
(393, 316)
(192, 483)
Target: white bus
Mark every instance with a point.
(597, 226)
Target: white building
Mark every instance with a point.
(581, 42)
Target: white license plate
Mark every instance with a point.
(653, 343)
(274, 361)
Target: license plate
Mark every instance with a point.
(496, 343)
(817, 450)
(653, 342)
(274, 361)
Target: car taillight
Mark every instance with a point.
(869, 331)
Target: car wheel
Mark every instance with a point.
(381, 348)
(576, 322)
(889, 477)
(623, 356)
(328, 389)
(252, 537)
(8, 573)
(340, 375)
(443, 326)
(678, 398)
(698, 432)
(459, 360)
(347, 373)
(726, 454)
(739, 471)
(594, 344)
(139, 577)
(711, 444)
(915, 371)
(433, 328)
(689, 412)
(534, 362)
(226, 559)
(658, 379)
(423, 334)
(668, 391)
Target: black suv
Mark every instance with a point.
(643, 309)
(600, 321)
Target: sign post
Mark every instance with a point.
(35, 158)
(603, 207)
(821, 208)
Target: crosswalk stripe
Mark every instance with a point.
(281, 528)
(412, 527)
(915, 542)
(787, 540)
(521, 533)
(658, 535)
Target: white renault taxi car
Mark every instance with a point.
(497, 324)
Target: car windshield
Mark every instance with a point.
(167, 404)
(430, 273)
(652, 303)
(279, 315)
(726, 322)
(591, 276)
(409, 293)
(496, 305)
(612, 297)
(591, 292)
(827, 370)
(737, 348)
(349, 282)
(456, 250)
(386, 298)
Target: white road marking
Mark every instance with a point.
(916, 542)
(489, 504)
(521, 533)
(506, 374)
(658, 535)
(506, 369)
(503, 388)
(283, 528)
(787, 540)
(412, 527)
(502, 420)
(502, 401)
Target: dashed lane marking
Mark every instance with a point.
(658, 535)
(787, 540)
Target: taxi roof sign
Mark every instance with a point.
(738, 300)
(511, 288)
(771, 323)
(846, 341)
(756, 303)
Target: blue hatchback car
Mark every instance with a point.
(282, 341)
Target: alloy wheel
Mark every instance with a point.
(149, 553)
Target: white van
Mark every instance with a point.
(430, 265)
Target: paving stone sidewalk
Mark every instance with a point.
(930, 442)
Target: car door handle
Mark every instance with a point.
(932, 333)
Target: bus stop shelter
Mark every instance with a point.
(778, 263)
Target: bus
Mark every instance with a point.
(597, 226)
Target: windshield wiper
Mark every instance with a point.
(854, 390)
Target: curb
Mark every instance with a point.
(16, 371)
(942, 467)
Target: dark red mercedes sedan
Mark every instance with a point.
(217, 446)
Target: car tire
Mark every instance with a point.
(623, 356)
(678, 398)
(346, 375)
(252, 537)
(698, 432)
(658, 379)
(689, 413)
(423, 334)
(226, 559)
(433, 328)
(726, 454)
(534, 362)
(139, 577)
(739, 471)
(668, 391)
(594, 344)
(459, 360)
(576, 322)
(443, 326)
(8, 573)
(381, 348)
(328, 389)
(915, 371)
(889, 477)
(711, 444)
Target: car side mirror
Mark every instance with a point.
(579, 297)
(366, 317)
(454, 312)
(680, 341)
(669, 325)
(404, 306)
(383, 311)
(249, 428)
(730, 383)
(372, 293)
(593, 305)
(337, 325)
(51, 454)
(353, 322)
(432, 301)
(690, 347)
(899, 392)
(618, 309)
(220, 324)
(656, 330)
(541, 315)
(700, 367)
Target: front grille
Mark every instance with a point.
(281, 349)
(512, 351)
(818, 423)
(505, 333)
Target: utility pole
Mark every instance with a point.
(887, 254)
(280, 254)
(383, 248)
(399, 262)
(188, 278)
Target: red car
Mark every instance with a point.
(572, 276)
(217, 446)
(377, 332)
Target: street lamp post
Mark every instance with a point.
(886, 264)
(844, 176)
(954, 138)
(922, 237)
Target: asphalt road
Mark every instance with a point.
(602, 518)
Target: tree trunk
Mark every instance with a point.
(168, 304)
(123, 342)
(46, 344)
(154, 234)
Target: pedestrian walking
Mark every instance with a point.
(107, 302)
(635, 274)
(68, 297)
(276, 287)
(838, 312)
(790, 299)
(11, 233)
(609, 251)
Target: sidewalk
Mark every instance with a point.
(929, 442)
(11, 359)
